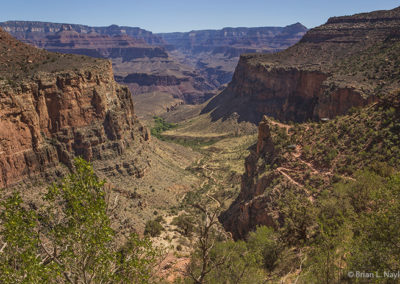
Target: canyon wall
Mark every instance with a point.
(343, 64)
(135, 53)
(54, 112)
(253, 207)
(285, 93)
(349, 62)
(215, 53)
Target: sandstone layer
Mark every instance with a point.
(139, 59)
(343, 64)
(54, 107)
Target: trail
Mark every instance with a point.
(281, 171)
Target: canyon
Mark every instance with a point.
(215, 53)
(55, 107)
(139, 59)
(189, 66)
(323, 76)
(305, 114)
(336, 66)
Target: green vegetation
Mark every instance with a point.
(196, 143)
(153, 228)
(185, 224)
(160, 125)
(337, 208)
(70, 240)
(353, 226)
(347, 143)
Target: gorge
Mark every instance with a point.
(265, 154)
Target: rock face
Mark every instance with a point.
(251, 208)
(190, 66)
(139, 59)
(216, 52)
(342, 64)
(52, 111)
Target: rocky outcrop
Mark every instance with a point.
(343, 64)
(69, 107)
(288, 94)
(252, 207)
(216, 52)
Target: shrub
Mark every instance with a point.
(185, 223)
(153, 228)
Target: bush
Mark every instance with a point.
(76, 241)
(264, 242)
(160, 125)
(153, 228)
(185, 223)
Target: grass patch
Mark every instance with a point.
(160, 125)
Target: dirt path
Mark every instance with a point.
(281, 171)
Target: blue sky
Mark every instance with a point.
(180, 15)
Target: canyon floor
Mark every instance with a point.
(217, 151)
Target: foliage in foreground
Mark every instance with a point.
(71, 239)
(352, 226)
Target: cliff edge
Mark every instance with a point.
(54, 107)
(342, 64)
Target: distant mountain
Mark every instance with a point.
(139, 58)
(216, 52)
(344, 63)
(34, 32)
(189, 66)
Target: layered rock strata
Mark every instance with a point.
(139, 59)
(215, 53)
(343, 64)
(51, 112)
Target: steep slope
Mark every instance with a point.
(139, 60)
(216, 52)
(306, 159)
(55, 107)
(336, 66)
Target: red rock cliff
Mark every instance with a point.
(50, 113)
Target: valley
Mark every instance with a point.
(151, 63)
(241, 155)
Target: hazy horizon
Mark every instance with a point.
(183, 16)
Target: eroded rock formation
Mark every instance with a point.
(52, 112)
(139, 59)
(342, 64)
(215, 53)
(253, 207)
